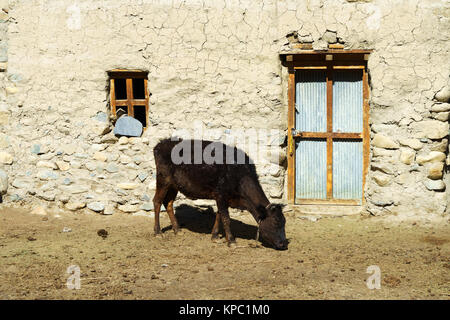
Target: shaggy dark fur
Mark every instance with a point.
(229, 184)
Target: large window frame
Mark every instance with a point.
(328, 60)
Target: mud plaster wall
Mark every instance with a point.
(215, 61)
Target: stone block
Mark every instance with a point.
(128, 127)
(407, 156)
(433, 156)
(434, 185)
(382, 141)
(435, 170)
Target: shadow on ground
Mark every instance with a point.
(201, 220)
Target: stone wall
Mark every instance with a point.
(214, 61)
(5, 159)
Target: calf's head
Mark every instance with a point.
(271, 226)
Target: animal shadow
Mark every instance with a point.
(202, 220)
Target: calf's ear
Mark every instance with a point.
(276, 207)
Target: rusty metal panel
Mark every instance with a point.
(347, 101)
(311, 169)
(311, 101)
(347, 169)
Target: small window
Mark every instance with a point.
(129, 93)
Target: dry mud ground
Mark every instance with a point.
(327, 259)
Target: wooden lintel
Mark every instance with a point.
(124, 74)
(329, 51)
(126, 70)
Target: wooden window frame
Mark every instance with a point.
(328, 60)
(129, 102)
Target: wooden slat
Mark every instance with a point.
(366, 130)
(121, 103)
(321, 62)
(134, 102)
(335, 46)
(329, 131)
(291, 144)
(325, 135)
(139, 102)
(112, 96)
(348, 52)
(127, 70)
(349, 67)
(328, 201)
(146, 102)
(319, 65)
(304, 46)
(130, 97)
(329, 168)
(310, 67)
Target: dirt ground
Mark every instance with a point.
(327, 258)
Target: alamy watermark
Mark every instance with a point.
(374, 281)
(74, 280)
(229, 146)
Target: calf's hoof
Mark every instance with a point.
(214, 237)
(217, 239)
(178, 232)
(158, 234)
(232, 244)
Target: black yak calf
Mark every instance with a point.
(226, 175)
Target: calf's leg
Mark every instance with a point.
(160, 194)
(168, 203)
(215, 229)
(223, 211)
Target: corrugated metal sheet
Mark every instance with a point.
(347, 101)
(311, 101)
(347, 169)
(311, 169)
